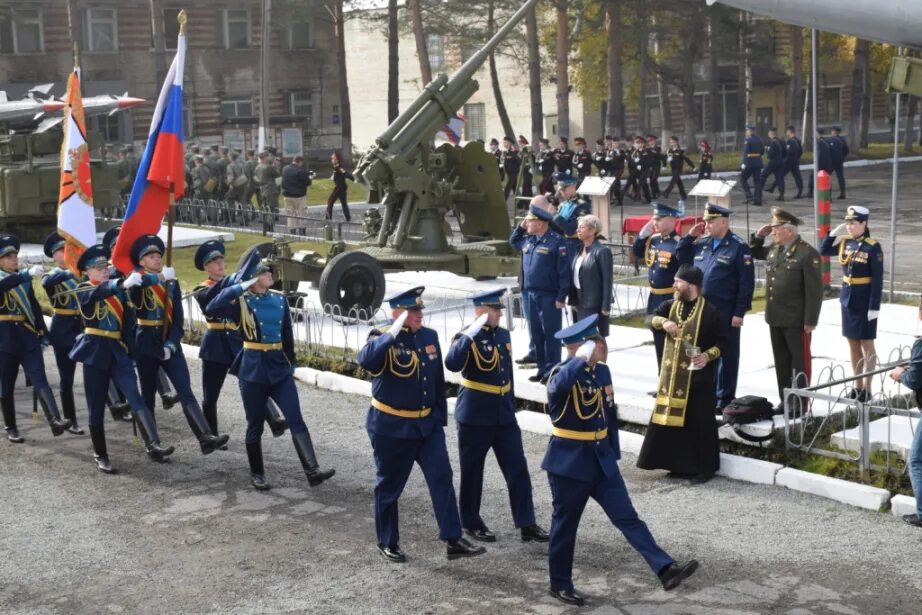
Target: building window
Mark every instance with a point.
(236, 28)
(236, 107)
(27, 31)
(302, 104)
(700, 118)
(730, 111)
(830, 106)
(170, 28)
(101, 29)
(475, 122)
(301, 35)
(435, 45)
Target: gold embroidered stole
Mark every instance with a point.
(675, 378)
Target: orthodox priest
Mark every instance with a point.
(682, 434)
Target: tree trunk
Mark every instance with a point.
(861, 139)
(857, 92)
(743, 81)
(715, 103)
(393, 59)
(345, 107)
(494, 77)
(422, 51)
(534, 76)
(909, 134)
(662, 92)
(562, 64)
(797, 75)
(642, 39)
(614, 123)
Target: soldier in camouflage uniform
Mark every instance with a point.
(235, 178)
(201, 177)
(249, 169)
(264, 175)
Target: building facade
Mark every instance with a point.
(221, 87)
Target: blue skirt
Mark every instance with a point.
(856, 326)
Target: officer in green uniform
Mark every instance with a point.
(794, 296)
(265, 175)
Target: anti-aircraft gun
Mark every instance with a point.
(418, 188)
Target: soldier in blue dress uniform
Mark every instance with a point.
(582, 462)
(104, 351)
(862, 261)
(753, 148)
(158, 301)
(546, 281)
(729, 281)
(66, 324)
(265, 368)
(406, 423)
(658, 244)
(571, 207)
(22, 336)
(485, 413)
(222, 342)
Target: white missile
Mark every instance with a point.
(898, 22)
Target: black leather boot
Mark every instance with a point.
(305, 449)
(50, 408)
(119, 408)
(257, 471)
(168, 397)
(144, 419)
(9, 420)
(211, 416)
(196, 419)
(69, 409)
(275, 419)
(100, 454)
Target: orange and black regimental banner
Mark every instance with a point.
(163, 300)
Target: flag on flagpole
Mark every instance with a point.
(162, 166)
(76, 218)
(452, 131)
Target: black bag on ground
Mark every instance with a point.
(745, 410)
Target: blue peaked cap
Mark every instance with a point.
(581, 331)
(489, 298)
(410, 298)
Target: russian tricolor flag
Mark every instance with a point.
(161, 169)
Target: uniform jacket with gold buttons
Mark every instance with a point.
(407, 376)
(794, 282)
(23, 325)
(487, 395)
(66, 324)
(862, 261)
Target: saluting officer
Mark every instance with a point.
(222, 342)
(406, 423)
(794, 296)
(572, 206)
(158, 302)
(66, 324)
(729, 281)
(485, 413)
(753, 149)
(582, 462)
(103, 349)
(862, 261)
(658, 244)
(22, 336)
(265, 368)
(546, 282)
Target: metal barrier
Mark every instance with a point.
(825, 420)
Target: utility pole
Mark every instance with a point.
(264, 67)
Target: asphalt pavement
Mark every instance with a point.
(192, 536)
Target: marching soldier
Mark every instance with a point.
(222, 341)
(617, 159)
(776, 164)
(265, 369)
(753, 148)
(498, 154)
(546, 163)
(824, 160)
(582, 159)
(582, 462)
(66, 324)
(22, 336)
(201, 179)
(512, 163)
(526, 177)
(839, 150)
(220, 168)
(658, 244)
(793, 150)
(706, 160)
(249, 169)
(158, 338)
(601, 158)
(563, 156)
(103, 349)
(655, 161)
(406, 423)
(123, 172)
(726, 261)
(794, 296)
(235, 179)
(265, 175)
(485, 413)
(636, 178)
(676, 159)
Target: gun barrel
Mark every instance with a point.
(898, 22)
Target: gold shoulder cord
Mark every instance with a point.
(483, 364)
(579, 400)
(247, 321)
(848, 259)
(8, 302)
(647, 256)
(411, 367)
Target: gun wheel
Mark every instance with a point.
(353, 280)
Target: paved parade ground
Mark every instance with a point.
(192, 536)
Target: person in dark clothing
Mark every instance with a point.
(775, 166)
(823, 160)
(793, 150)
(511, 161)
(839, 149)
(706, 162)
(526, 176)
(676, 158)
(546, 164)
(636, 180)
(340, 175)
(295, 180)
(563, 156)
(753, 149)
(617, 158)
(498, 154)
(582, 159)
(655, 161)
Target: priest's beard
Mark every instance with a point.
(684, 295)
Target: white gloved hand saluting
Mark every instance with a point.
(476, 326)
(168, 273)
(133, 279)
(36, 270)
(647, 229)
(873, 314)
(248, 283)
(398, 323)
(585, 351)
(839, 231)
